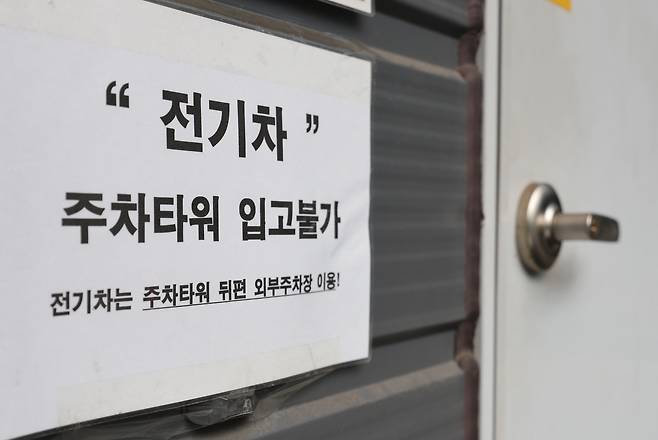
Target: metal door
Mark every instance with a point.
(571, 353)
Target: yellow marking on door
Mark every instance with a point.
(565, 4)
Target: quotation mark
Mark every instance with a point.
(312, 123)
(111, 96)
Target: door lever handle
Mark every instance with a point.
(541, 227)
(584, 227)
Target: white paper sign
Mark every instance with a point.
(185, 209)
(359, 5)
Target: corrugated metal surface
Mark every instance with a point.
(411, 388)
(418, 199)
(452, 11)
(428, 37)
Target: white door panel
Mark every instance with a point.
(576, 349)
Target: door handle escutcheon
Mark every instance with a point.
(541, 227)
